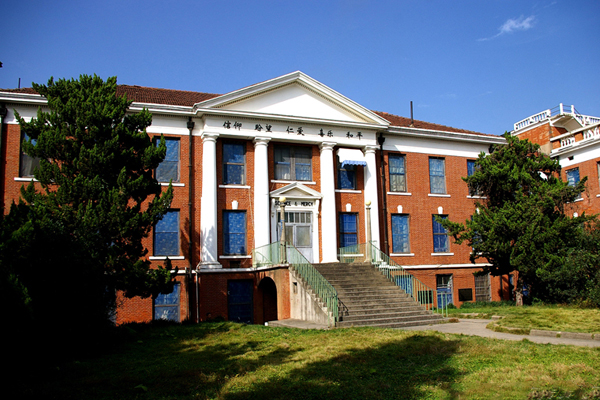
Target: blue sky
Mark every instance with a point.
(480, 64)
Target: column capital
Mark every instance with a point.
(261, 140)
(370, 149)
(209, 137)
(327, 146)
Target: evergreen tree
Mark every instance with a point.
(522, 222)
(75, 238)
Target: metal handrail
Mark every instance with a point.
(270, 255)
(417, 290)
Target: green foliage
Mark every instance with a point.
(71, 245)
(522, 223)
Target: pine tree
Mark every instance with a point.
(522, 224)
(76, 236)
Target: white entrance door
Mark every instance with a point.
(298, 232)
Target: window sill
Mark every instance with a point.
(302, 182)
(153, 258)
(234, 257)
(20, 179)
(598, 195)
(438, 195)
(399, 193)
(348, 191)
(476, 197)
(351, 255)
(175, 184)
(234, 187)
(402, 254)
(442, 254)
(579, 199)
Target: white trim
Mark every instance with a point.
(598, 195)
(19, 179)
(400, 193)
(351, 255)
(238, 270)
(235, 257)
(153, 258)
(234, 187)
(302, 182)
(442, 254)
(438, 195)
(579, 199)
(476, 197)
(175, 184)
(347, 191)
(437, 266)
(402, 255)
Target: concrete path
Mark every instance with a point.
(471, 327)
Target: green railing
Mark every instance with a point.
(429, 298)
(272, 254)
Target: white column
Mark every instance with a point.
(261, 192)
(328, 212)
(371, 192)
(208, 203)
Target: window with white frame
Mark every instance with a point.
(348, 229)
(397, 168)
(234, 232)
(166, 305)
(437, 175)
(400, 234)
(471, 168)
(166, 235)
(27, 163)
(441, 244)
(293, 163)
(168, 169)
(234, 163)
(573, 178)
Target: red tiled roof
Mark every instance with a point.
(172, 97)
(22, 90)
(163, 96)
(396, 120)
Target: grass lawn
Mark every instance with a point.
(550, 317)
(233, 361)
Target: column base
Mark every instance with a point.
(209, 265)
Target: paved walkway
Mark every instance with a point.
(471, 327)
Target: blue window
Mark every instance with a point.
(293, 163)
(471, 168)
(234, 232)
(400, 237)
(573, 177)
(437, 175)
(168, 170)
(348, 229)
(166, 305)
(234, 163)
(166, 235)
(28, 163)
(346, 176)
(397, 173)
(440, 238)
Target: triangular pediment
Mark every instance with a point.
(294, 95)
(296, 191)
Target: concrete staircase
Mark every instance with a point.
(367, 298)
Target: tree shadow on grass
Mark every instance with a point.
(231, 361)
(408, 368)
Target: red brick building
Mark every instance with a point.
(574, 140)
(231, 157)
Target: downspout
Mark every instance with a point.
(381, 140)
(3, 112)
(190, 126)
